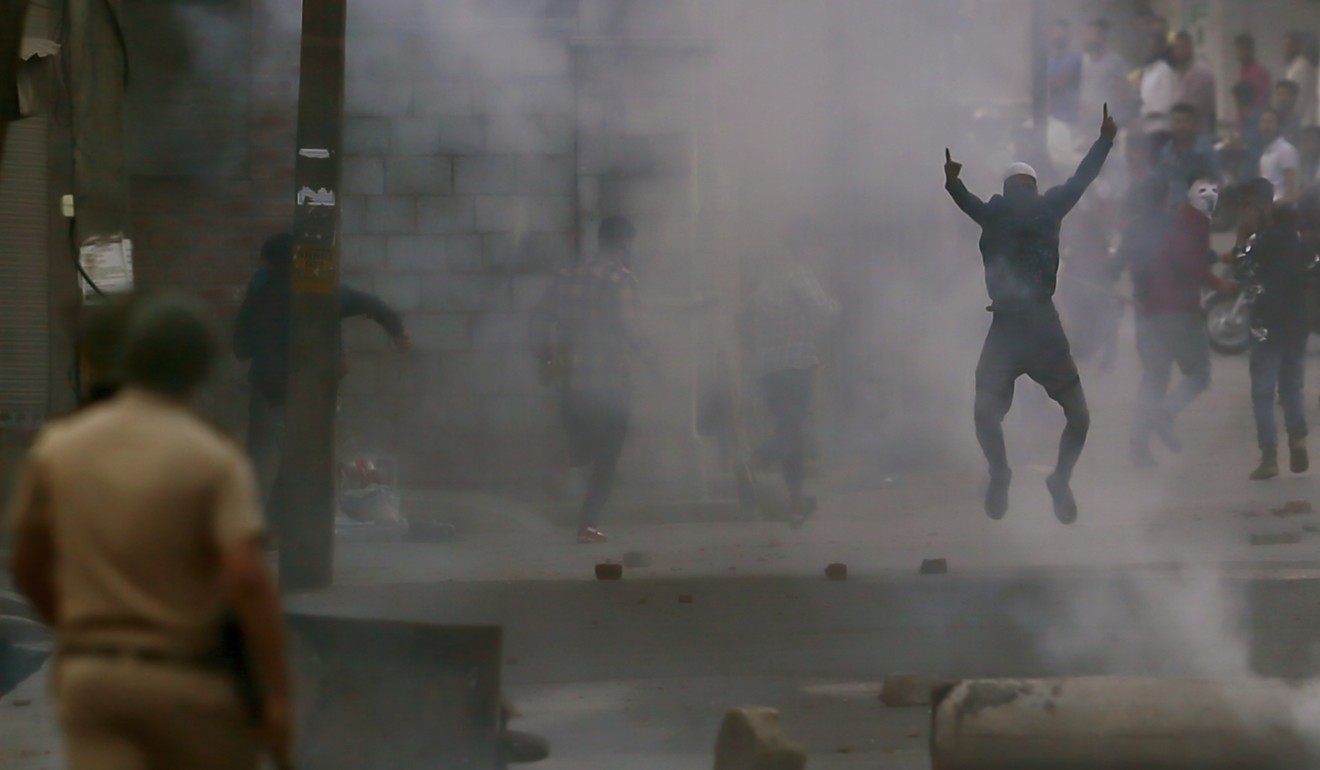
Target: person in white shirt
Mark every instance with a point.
(1104, 74)
(1299, 50)
(1279, 161)
(1159, 87)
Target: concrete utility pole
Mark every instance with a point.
(307, 539)
(13, 14)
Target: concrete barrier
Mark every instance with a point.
(392, 695)
(750, 739)
(1092, 723)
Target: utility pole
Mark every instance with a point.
(13, 13)
(307, 537)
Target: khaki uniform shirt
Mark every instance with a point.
(139, 496)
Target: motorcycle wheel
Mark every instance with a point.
(1228, 335)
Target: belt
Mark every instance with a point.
(141, 655)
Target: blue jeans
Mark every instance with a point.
(1278, 366)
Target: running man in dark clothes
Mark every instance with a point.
(1020, 249)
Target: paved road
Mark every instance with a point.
(1158, 577)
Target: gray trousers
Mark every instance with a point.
(1163, 341)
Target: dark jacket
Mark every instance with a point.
(1020, 238)
(262, 329)
(1280, 265)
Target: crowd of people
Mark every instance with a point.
(1152, 216)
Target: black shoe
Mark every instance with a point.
(1065, 505)
(519, 748)
(1299, 460)
(996, 495)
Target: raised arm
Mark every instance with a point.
(971, 205)
(1065, 196)
(354, 303)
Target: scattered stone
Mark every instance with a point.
(837, 571)
(609, 571)
(906, 690)
(844, 750)
(1311, 527)
(22, 703)
(750, 739)
(934, 566)
(1294, 508)
(685, 598)
(636, 559)
(1277, 538)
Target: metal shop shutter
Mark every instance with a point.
(24, 278)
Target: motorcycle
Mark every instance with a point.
(1228, 321)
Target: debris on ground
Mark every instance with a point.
(906, 690)
(609, 571)
(685, 598)
(837, 571)
(934, 566)
(1277, 538)
(751, 739)
(1294, 508)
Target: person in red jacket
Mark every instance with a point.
(1170, 327)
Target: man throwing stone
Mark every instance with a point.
(1020, 249)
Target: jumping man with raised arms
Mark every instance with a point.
(1020, 249)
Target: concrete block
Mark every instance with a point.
(459, 135)
(457, 293)
(529, 290)
(362, 252)
(501, 330)
(446, 215)
(391, 215)
(401, 291)
(419, 176)
(499, 251)
(353, 214)
(491, 175)
(479, 372)
(363, 176)
(367, 136)
(440, 331)
(463, 253)
(547, 94)
(411, 136)
(904, 690)
(550, 215)
(422, 253)
(365, 96)
(520, 133)
(546, 176)
(450, 96)
(751, 739)
(499, 214)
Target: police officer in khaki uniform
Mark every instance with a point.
(133, 527)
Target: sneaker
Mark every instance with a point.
(1065, 505)
(590, 535)
(1299, 461)
(798, 518)
(996, 495)
(1269, 466)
